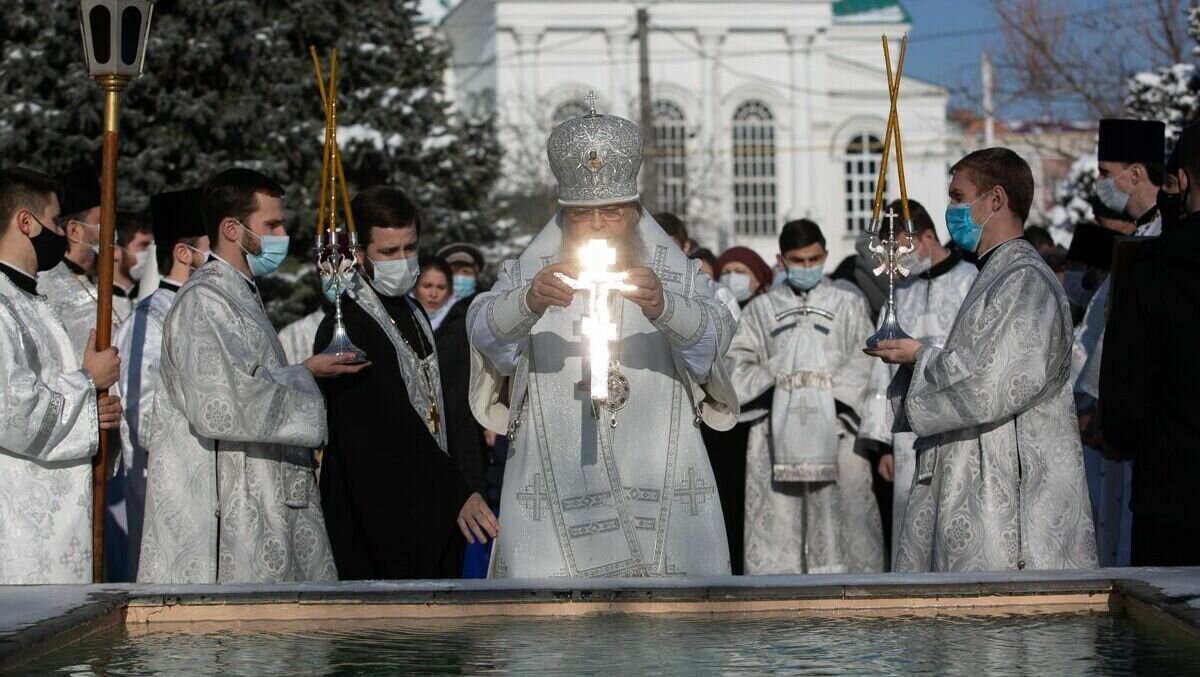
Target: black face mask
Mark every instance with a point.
(49, 247)
(1170, 209)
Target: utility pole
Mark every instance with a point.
(649, 158)
(989, 113)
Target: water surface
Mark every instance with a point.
(620, 645)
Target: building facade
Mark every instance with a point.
(764, 110)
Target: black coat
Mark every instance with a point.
(464, 435)
(390, 495)
(1150, 374)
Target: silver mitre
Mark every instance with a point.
(596, 159)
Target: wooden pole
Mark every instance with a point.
(112, 86)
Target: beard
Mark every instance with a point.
(631, 248)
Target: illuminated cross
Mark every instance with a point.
(591, 101)
(596, 257)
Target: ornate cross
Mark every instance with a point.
(596, 257)
(693, 492)
(533, 498)
(591, 99)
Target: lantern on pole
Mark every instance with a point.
(114, 46)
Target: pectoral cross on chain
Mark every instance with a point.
(596, 257)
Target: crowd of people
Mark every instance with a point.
(1040, 417)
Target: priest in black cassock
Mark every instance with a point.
(396, 505)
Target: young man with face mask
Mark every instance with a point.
(1148, 378)
(926, 303)
(1131, 170)
(134, 237)
(395, 502)
(999, 479)
(69, 286)
(182, 247)
(231, 494)
(809, 504)
(50, 416)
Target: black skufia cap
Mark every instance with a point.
(1092, 245)
(80, 190)
(175, 215)
(1132, 141)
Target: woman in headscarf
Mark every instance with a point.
(745, 275)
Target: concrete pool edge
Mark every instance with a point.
(36, 619)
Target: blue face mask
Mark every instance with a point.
(963, 229)
(273, 250)
(805, 278)
(464, 286)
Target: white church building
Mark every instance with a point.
(764, 110)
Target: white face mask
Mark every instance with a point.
(139, 268)
(739, 284)
(395, 277)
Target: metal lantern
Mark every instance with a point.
(114, 44)
(114, 36)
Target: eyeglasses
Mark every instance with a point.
(606, 214)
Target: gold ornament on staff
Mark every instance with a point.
(887, 248)
(114, 44)
(335, 260)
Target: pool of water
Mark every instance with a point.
(617, 645)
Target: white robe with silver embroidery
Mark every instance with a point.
(48, 433)
(1000, 481)
(73, 298)
(807, 526)
(582, 498)
(231, 494)
(926, 308)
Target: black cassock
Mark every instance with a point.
(390, 495)
(464, 435)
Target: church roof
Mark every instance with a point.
(873, 11)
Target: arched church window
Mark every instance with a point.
(567, 110)
(755, 204)
(863, 155)
(670, 157)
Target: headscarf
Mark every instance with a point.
(748, 258)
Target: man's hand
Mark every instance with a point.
(476, 520)
(897, 351)
(102, 366)
(110, 413)
(547, 290)
(887, 467)
(648, 294)
(329, 366)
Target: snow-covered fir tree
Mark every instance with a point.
(1170, 93)
(230, 83)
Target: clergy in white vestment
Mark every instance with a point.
(999, 481)
(616, 486)
(181, 247)
(231, 494)
(69, 285)
(49, 414)
(809, 505)
(927, 302)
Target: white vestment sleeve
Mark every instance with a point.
(45, 421)
(749, 353)
(226, 391)
(688, 326)
(1012, 358)
(499, 322)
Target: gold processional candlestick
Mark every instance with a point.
(335, 260)
(609, 388)
(889, 248)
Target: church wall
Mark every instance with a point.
(821, 81)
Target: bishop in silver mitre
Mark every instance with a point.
(598, 352)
